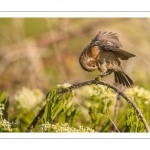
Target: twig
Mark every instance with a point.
(112, 121)
(38, 117)
(78, 85)
(116, 109)
(108, 116)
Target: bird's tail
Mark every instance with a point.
(122, 78)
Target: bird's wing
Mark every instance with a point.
(106, 38)
(122, 54)
(109, 41)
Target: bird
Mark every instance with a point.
(104, 53)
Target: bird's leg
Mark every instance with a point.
(109, 71)
(98, 78)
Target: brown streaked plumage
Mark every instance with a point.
(103, 53)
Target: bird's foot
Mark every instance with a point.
(99, 78)
(102, 76)
(106, 73)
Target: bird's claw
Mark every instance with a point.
(98, 78)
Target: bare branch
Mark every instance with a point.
(38, 117)
(116, 108)
(86, 83)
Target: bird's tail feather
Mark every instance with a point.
(122, 78)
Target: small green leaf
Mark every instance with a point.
(50, 106)
(3, 96)
(106, 126)
(57, 108)
(62, 118)
(47, 113)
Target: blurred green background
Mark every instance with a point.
(44, 52)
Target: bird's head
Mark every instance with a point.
(87, 63)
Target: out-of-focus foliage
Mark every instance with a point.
(98, 100)
(95, 109)
(88, 109)
(47, 127)
(60, 109)
(5, 126)
(142, 98)
(27, 104)
(27, 99)
(42, 52)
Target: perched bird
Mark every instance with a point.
(103, 53)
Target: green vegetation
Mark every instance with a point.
(47, 127)
(88, 109)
